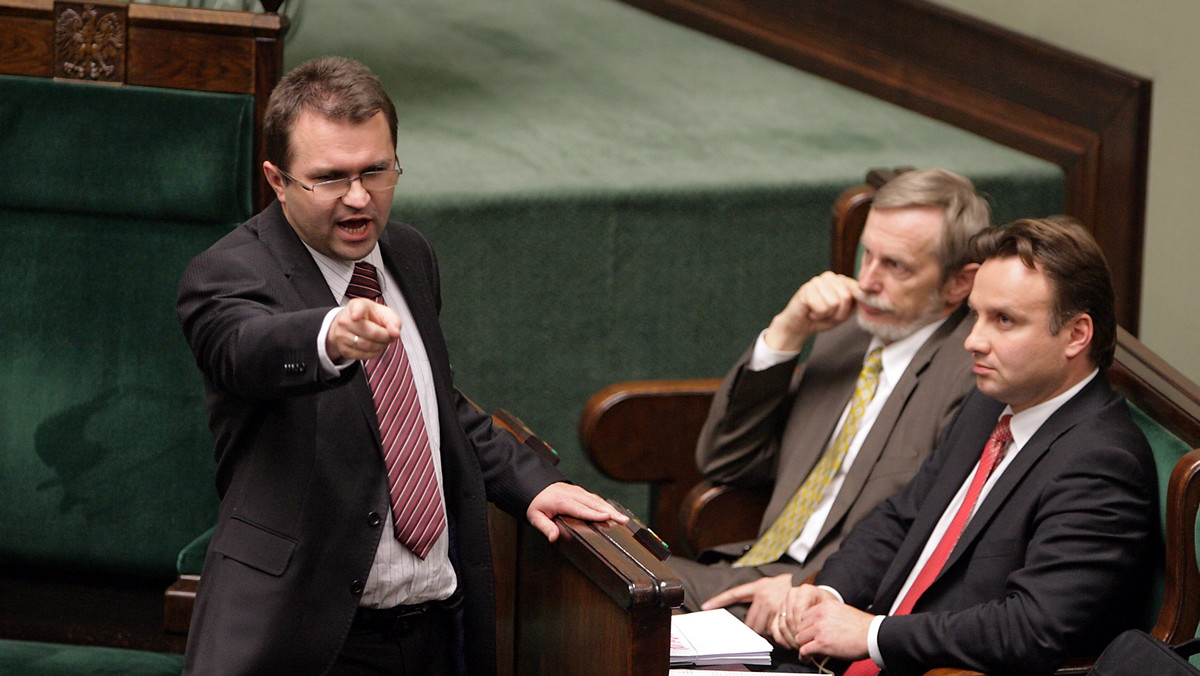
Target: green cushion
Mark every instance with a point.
(191, 557)
(105, 456)
(26, 658)
(125, 151)
(1168, 449)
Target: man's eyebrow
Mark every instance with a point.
(330, 172)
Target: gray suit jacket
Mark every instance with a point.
(771, 427)
(299, 468)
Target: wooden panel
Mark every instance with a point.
(90, 610)
(1090, 119)
(593, 603)
(27, 41)
(154, 61)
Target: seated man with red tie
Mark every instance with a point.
(1027, 536)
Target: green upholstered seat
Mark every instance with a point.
(27, 658)
(105, 458)
(1168, 449)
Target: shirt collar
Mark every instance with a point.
(1026, 423)
(337, 273)
(897, 356)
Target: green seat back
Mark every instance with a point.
(1168, 449)
(105, 456)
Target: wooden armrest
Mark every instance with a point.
(525, 435)
(716, 514)
(595, 587)
(180, 598)
(646, 431)
(1180, 611)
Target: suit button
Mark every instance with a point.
(357, 587)
(373, 519)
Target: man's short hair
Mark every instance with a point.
(334, 87)
(1074, 265)
(965, 211)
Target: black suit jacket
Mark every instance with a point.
(1052, 565)
(299, 470)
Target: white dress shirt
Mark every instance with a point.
(397, 576)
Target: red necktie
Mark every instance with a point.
(993, 452)
(412, 484)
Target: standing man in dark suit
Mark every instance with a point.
(1028, 535)
(352, 535)
(796, 426)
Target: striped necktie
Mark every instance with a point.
(796, 513)
(412, 483)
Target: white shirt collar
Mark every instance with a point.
(1026, 423)
(337, 273)
(897, 356)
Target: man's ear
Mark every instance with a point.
(274, 178)
(956, 289)
(1079, 337)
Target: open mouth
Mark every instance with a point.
(355, 226)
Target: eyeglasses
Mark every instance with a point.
(338, 187)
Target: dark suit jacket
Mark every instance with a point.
(299, 469)
(772, 426)
(1052, 565)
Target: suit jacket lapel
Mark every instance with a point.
(1062, 420)
(818, 413)
(302, 272)
(955, 470)
(885, 423)
(295, 260)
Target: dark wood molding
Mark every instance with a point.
(1090, 119)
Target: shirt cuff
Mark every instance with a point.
(873, 642)
(763, 357)
(833, 591)
(329, 368)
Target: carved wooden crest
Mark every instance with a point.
(89, 41)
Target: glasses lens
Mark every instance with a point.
(380, 180)
(371, 180)
(331, 190)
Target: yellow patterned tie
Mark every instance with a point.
(791, 521)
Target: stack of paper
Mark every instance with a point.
(715, 637)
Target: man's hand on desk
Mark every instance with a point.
(568, 500)
(766, 596)
(818, 624)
